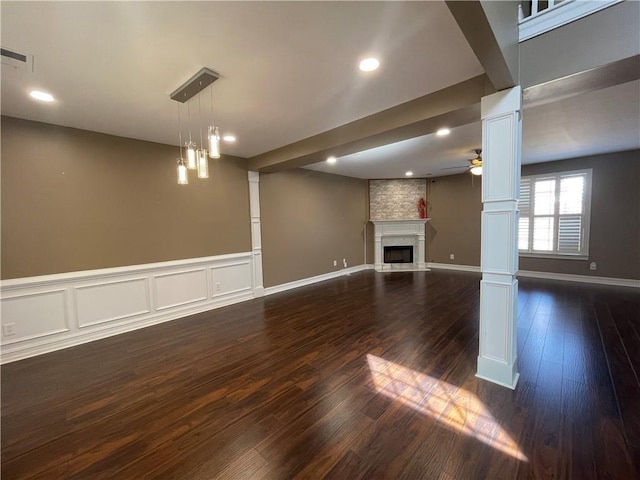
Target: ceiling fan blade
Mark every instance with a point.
(453, 168)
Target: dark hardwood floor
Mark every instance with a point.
(369, 376)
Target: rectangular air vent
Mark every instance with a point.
(16, 60)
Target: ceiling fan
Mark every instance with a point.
(475, 167)
(476, 163)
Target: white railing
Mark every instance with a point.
(537, 17)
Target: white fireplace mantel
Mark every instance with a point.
(400, 232)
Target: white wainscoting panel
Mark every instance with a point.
(231, 278)
(180, 288)
(105, 302)
(34, 315)
(51, 312)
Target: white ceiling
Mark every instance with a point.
(288, 69)
(600, 121)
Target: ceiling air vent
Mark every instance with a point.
(16, 60)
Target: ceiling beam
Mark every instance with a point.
(609, 75)
(450, 107)
(492, 35)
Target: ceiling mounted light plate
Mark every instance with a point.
(369, 64)
(41, 96)
(195, 85)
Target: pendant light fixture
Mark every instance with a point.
(197, 158)
(183, 179)
(191, 145)
(203, 161)
(214, 134)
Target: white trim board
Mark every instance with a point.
(618, 282)
(565, 277)
(452, 266)
(318, 278)
(47, 313)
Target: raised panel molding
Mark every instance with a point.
(35, 315)
(180, 288)
(498, 254)
(52, 312)
(105, 302)
(230, 278)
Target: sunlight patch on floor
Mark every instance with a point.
(450, 405)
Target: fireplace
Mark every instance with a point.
(399, 245)
(398, 254)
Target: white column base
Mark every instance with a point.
(497, 372)
(258, 292)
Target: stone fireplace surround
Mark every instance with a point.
(400, 233)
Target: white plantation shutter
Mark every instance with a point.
(543, 234)
(554, 213)
(571, 194)
(523, 233)
(569, 234)
(524, 206)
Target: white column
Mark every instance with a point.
(256, 237)
(421, 254)
(501, 146)
(377, 248)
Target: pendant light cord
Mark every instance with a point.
(189, 114)
(213, 123)
(200, 120)
(179, 131)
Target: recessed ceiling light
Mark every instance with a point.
(442, 132)
(409, 173)
(369, 64)
(331, 160)
(229, 138)
(42, 96)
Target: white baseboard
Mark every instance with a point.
(51, 312)
(318, 278)
(451, 266)
(619, 282)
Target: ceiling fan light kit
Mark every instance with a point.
(476, 163)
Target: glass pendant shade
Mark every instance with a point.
(203, 164)
(183, 179)
(214, 142)
(191, 156)
(477, 170)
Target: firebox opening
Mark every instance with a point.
(398, 254)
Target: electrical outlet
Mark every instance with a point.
(8, 329)
(335, 263)
(218, 287)
(452, 256)
(344, 262)
(592, 266)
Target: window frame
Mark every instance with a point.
(586, 215)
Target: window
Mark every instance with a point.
(554, 214)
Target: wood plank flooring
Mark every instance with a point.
(369, 376)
